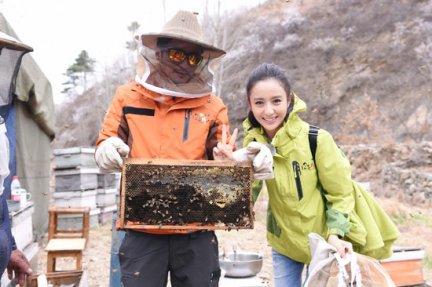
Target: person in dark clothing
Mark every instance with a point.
(10, 257)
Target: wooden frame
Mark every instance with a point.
(59, 278)
(221, 188)
(54, 232)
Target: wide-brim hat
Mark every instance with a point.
(183, 26)
(12, 43)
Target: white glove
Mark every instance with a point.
(261, 157)
(109, 154)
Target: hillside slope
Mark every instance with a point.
(364, 67)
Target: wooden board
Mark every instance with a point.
(66, 244)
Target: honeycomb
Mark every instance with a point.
(186, 194)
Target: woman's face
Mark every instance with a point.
(269, 104)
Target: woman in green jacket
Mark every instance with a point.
(296, 205)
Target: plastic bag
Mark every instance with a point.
(327, 269)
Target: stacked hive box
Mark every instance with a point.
(106, 196)
(79, 183)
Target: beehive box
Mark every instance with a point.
(22, 225)
(106, 197)
(186, 194)
(76, 179)
(107, 181)
(87, 198)
(107, 213)
(74, 157)
(405, 266)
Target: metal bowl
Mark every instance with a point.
(241, 264)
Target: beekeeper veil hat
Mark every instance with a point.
(183, 27)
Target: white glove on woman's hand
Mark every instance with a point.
(261, 157)
(109, 154)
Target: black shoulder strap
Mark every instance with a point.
(313, 139)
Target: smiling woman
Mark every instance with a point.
(303, 198)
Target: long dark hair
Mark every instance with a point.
(263, 72)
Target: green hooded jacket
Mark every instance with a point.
(297, 198)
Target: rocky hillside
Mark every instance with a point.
(401, 171)
(364, 67)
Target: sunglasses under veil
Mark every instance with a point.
(178, 56)
(153, 77)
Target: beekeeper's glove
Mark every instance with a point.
(260, 156)
(109, 154)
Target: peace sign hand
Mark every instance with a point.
(224, 150)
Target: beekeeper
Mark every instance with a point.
(168, 112)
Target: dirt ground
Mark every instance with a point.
(415, 225)
(96, 259)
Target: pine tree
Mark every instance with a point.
(78, 71)
(133, 28)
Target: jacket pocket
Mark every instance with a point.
(297, 174)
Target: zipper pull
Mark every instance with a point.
(296, 168)
(297, 173)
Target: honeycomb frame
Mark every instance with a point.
(186, 194)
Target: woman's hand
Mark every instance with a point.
(224, 149)
(342, 247)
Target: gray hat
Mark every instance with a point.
(183, 26)
(12, 43)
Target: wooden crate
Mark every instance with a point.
(405, 266)
(186, 194)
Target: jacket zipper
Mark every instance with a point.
(186, 125)
(297, 173)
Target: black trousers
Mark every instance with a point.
(191, 259)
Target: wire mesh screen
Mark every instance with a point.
(186, 194)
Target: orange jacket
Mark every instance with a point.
(158, 126)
